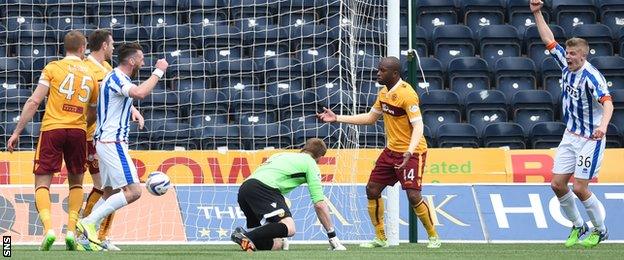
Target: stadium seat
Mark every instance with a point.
(612, 15)
(111, 21)
(139, 139)
(214, 137)
(440, 107)
(618, 119)
(279, 68)
(514, 74)
(210, 101)
(614, 138)
(63, 8)
(452, 41)
(219, 54)
(261, 136)
(598, 36)
(252, 8)
(372, 136)
(169, 136)
(434, 13)
(484, 107)
(531, 106)
(191, 73)
(551, 79)
(34, 33)
(546, 135)
(482, 13)
(278, 88)
(29, 137)
(133, 34)
(457, 135)
(312, 35)
(201, 120)
(434, 74)
(330, 133)
(497, 41)
(59, 23)
(467, 74)
(252, 101)
(326, 68)
(570, 13)
(159, 105)
(612, 68)
(535, 49)
(519, 15)
(309, 55)
(254, 118)
(431, 140)
(218, 36)
(298, 104)
(297, 17)
(617, 96)
(420, 43)
(335, 98)
(504, 134)
(173, 42)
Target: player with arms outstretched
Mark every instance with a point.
(101, 46)
(260, 197)
(117, 170)
(587, 110)
(404, 157)
(69, 85)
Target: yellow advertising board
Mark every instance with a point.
(485, 165)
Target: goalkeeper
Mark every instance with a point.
(261, 197)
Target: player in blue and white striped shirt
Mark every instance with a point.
(113, 113)
(587, 110)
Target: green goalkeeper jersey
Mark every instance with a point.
(286, 171)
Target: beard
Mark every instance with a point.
(135, 71)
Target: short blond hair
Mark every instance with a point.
(576, 42)
(316, 147)
(73, 41)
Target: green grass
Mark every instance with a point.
(404, 251)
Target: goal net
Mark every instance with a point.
(245, 80)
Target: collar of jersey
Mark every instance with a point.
(72, 57)
(92, 59)
(395, 86)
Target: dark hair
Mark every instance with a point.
(126, 50)
(73, 40)
(316, 147)
(97, 38)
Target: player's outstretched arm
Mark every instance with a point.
(544, 31)
(143, 90)
(328, 116)
(322, 212)
(29, 110)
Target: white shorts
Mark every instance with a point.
(116, 167)
(579, 155)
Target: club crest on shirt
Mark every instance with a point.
(394, 97)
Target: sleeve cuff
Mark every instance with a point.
(551, 45)
(125, 89)
(605, 98)
(44, 82)
(415, 119)
(376, 111)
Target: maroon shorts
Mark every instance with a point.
(92, 161)
(56, 144)
(410, 176)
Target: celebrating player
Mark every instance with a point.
(587, 109)
(404, 157)
(116, 167)
(101, 46)
(260, 197)
(69, 86)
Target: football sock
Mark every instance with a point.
(43, 204)
(268, 231)
(264, 244)
(422, 211)
(595, 213)
(74, 205)
(92, 199)
(376, 213)
(570, 210)
(105, 226)
(114, 202)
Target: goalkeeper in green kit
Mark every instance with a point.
(261, 197)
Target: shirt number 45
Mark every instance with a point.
(67, 88)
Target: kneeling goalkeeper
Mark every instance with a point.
(260, 197)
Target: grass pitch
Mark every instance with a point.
(297, 251)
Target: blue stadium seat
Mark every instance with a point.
(335, 98)
(114, 21)
(261, 136)
(499, 41)
(252, 101)
(133, 34)
(298, 104)
(598, 36)
(434, 73)
(612, 68)
(139, 139)
(570, 13)
(29, 137)
(297, 18)
(618, 119)
(551, 79)
(24, 8)
(617, 96)
(452, 41)
(484, 107)
(56, 8)
(213, 137)
(168, 136)
(614, 138)
(330, 133)
(434, 13)
(13, 100)
(61, 22)
(218, 54)
(457, 135)
(311, 54)
(283, 87)
(279, 68)
(431, 140)
(372, 136)
(34, 33)
(255, 118)
(159, 105)
(440, 107)
(514, 74)
(546, 135)
(420, 43)
(173, 41)
(612, 15)
(482, 13)
(535, 49)
(32, 58)
(467, 74)
(211, 101)
(326, 68)
(217, 36)
(311, 35)
(252, 8)
(531, 106)
(519, 15)
(200, 120)
(4, 49)
(504, 134)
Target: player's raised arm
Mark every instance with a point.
(544, 31)
(141, 91)
(369, 118)
(29, 110)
